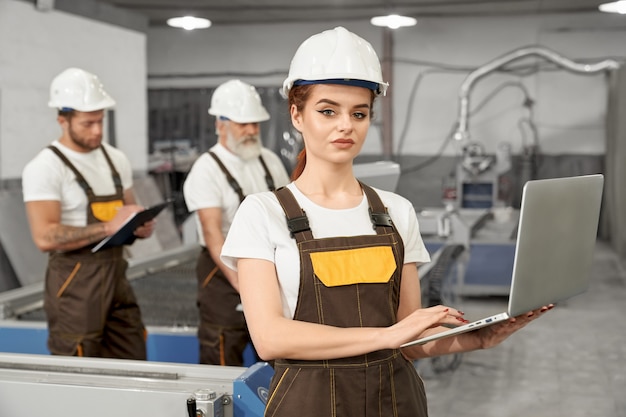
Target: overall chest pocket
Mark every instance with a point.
(106, 210)
(354, 266)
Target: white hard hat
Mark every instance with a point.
(239, 102)
(337, 56)
(80, 90)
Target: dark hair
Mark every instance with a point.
(67, 113)
(298, 96)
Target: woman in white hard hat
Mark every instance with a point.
(328, 266)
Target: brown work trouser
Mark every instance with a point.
(91, 308)
(222, 332)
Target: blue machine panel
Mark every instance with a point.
(477, 195)
(161, 346)
(490, 264)
(23, 340)
(251, 389)
(489, 268)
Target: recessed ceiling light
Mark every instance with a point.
(189, 22)
(613, 7)
(393, 21)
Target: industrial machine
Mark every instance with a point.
(170, 383)
(479, 206)
(479, 172)
(71, 386)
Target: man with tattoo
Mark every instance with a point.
(77, 191)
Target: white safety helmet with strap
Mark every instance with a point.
(239, 102)
(77, 89)
(336, 56)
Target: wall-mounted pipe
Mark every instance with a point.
(462, 132)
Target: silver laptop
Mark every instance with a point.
(556, 236)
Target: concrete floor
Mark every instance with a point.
(570, 363)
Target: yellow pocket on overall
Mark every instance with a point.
(354, 266)
(106, 210)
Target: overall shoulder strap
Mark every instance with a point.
(268, 177)
(117, 180)
(378, 212)
(231, 180)
(79, 178)
(297, 221)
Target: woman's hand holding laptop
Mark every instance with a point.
(491, 336)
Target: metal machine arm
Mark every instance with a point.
(563, 62)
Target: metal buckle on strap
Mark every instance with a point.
(298, 224)
(381, 219)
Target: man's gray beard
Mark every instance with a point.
(245, 151)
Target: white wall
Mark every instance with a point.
(232, 51)
(569, 108)
(34, 47)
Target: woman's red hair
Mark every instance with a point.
(298, 95)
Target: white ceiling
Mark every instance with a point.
(223, 12)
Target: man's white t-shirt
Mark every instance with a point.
(259, 231)
(46, 177)
(206, 185)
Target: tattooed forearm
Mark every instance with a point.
(71, 237)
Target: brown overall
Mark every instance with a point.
(222, 332)
(347, 282)
(90, 306)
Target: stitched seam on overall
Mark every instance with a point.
(333, 394)
(300, 283)
(222, 350)
(79, 337)
(380, 391)
(394, 404)
(358, 303)
(68, 280)
(316, 289)
(209, 277)
(352, 246)
(278, 385)
(333, 365)
(100, 293)
(395, 247)
(320, 307)
(392, 309)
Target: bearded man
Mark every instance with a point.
(237, 165)
(77, 191)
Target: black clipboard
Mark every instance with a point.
(124, 234)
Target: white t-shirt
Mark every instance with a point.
(206, 185)
(259, 231)
(46, 177)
